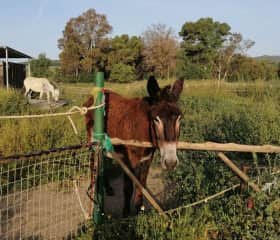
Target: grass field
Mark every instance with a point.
(246, 113)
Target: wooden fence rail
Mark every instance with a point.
(207, 146)
(241, 174)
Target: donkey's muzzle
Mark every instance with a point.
(169, 159)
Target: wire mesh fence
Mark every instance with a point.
(43, 195)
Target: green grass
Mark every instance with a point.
(200, 100)
(28, 135)
(247, 113)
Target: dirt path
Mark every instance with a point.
(51, 211)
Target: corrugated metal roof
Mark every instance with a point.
(12, 53)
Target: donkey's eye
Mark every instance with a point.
(157, 120)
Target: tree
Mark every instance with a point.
(122, 73)
(84, 42)
(201, 41)
(160, 47)
(125, 51)
(243, 68)
(235, 44)
(40, 66)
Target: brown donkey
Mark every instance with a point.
(155, 118)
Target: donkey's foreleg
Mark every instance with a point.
(138, 195)
(141, 174)
(128, 190)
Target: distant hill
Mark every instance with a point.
(268, 58)
(55, 63)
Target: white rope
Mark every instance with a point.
(205, 200)
(73, 125)
(86, 215)
(73, 110)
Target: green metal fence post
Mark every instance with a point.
(98, 134)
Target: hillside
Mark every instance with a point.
(55, 63)
(269, 58)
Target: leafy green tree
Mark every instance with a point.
(84, 43)
(185, 68)
(40, 66)
(160, 48)
(201, 41)
(234, 44)
(122, 73)
(243, 68)
(125, 50)
(269, 71)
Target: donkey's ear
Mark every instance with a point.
(153, 88)
(177, 89)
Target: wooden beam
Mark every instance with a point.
(207, 146)
(136, 182)
(241, 174)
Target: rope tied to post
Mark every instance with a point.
(106, 143)
(96, 90)
(73, 110)
(82, 111)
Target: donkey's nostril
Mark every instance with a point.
(170, 164)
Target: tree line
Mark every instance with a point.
(205, 49)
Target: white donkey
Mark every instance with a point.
(41, 85)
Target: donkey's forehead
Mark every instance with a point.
(165, 110)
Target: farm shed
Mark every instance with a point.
(12, 74)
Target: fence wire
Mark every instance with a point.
(41, 194)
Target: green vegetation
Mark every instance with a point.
(246, 113)
(124, 58)
(28, 135)
(201, 42)
(40, 66)
(272, 59)
(236, 113)
(122, 73)
(224, 218)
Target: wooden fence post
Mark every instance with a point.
(241, 174)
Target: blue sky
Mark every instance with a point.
(33, 26)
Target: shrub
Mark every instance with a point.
(27, 135)
(86, 77)
(122, 73)
(12, 102)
